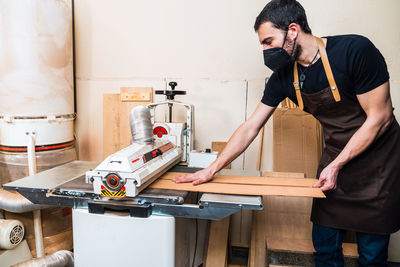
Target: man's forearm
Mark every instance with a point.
(238, 143)
(361, 140)
(377, 105)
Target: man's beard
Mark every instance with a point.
(297, 52)
(295, 49)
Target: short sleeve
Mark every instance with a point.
(367, 66)
(273, 94)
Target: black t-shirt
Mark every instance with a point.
(357, 66)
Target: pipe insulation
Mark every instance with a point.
(15, 202)
(141, 126)
(61, 258)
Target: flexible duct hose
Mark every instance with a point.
(15, 202)
(141, 126)
(61, 258)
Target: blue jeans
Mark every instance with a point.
(372, 248)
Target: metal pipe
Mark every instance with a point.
(61, 258)
(37, 227)
(170, 112)
(37, 218)
(141, 126)
(31, 153)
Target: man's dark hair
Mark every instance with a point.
(281, 13)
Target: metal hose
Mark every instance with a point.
(15, 202)
(61, 258)
(141, 126)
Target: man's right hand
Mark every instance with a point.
(196, 178)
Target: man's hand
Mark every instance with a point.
(196, 178)
(327, 178)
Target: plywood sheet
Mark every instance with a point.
(251, 180)
(240, 189)
(110, 124)
(116, 109)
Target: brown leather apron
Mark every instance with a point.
(367, 196)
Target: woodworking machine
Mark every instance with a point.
(130, 170)
(66, 186)
(120, 181)
(119, 184)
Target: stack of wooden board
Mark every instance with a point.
(245, 185)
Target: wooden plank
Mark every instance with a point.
(240, 189)
(305, 246)
(260, 149)
(135, 96)
(258, 248)
(111, 114)
(284, 174)
(218, 243)
(251, 180)
(219, 146)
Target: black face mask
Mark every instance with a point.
(277, 57)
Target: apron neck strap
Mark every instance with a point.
(328, 70)
(297, 86)
(328, 73)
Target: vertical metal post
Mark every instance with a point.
(37, 220)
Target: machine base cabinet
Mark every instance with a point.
(116, 239)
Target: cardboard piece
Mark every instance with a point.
(297, 141)
(297, 148)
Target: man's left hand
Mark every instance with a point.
(327, 178)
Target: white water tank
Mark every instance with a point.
(36, 72)
(36, 85)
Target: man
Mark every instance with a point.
(343, 81)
